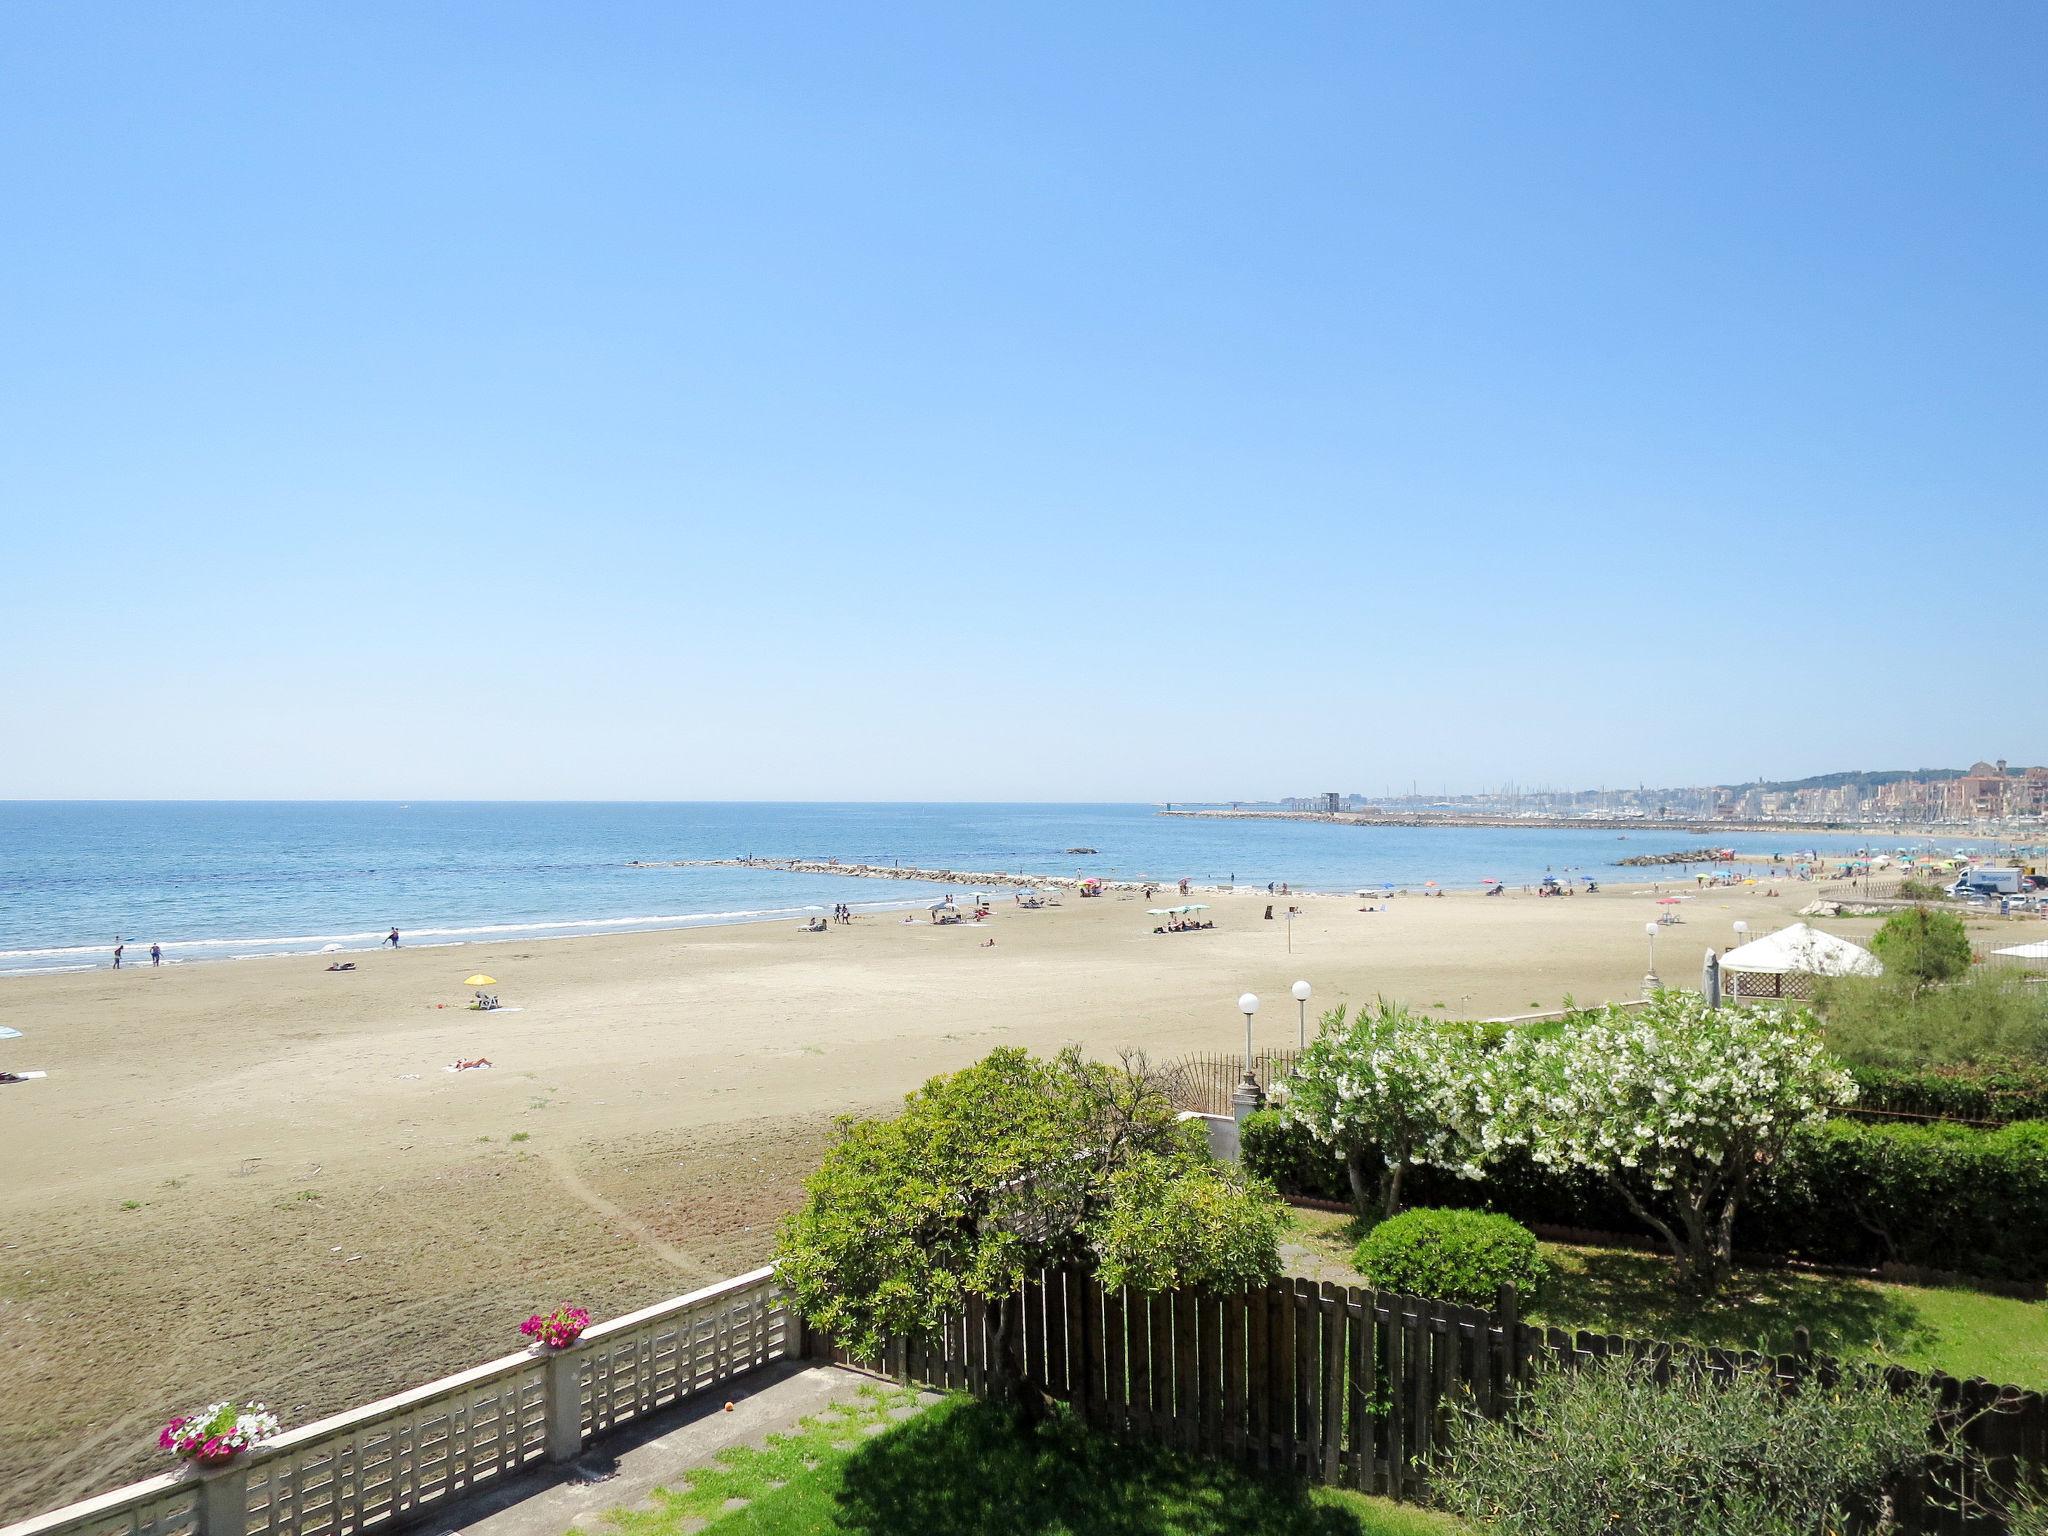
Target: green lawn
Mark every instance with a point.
(1608, 1290)
(964, 1468)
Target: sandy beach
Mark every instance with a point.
(258, 1177)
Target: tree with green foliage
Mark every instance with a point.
(1010, 1166)
(1677, 1107)
(1922, 945)
(1187, 1225)
(1389, 1089)
(1987, 1018)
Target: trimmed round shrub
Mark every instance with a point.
(1447, 1255)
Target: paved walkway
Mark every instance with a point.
(658, 1452)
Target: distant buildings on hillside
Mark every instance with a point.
(1984, 793)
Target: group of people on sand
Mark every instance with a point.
(156, 953)
(841, 913)
(1183, 925)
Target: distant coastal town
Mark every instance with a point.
(1986, 798)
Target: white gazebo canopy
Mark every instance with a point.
(1784, 964)
(1803, 951)
(2035, 951)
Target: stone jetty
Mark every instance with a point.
(1683, 856)
(900, 872)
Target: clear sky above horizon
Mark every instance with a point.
(1138, 402)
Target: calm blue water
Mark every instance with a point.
(221, 880)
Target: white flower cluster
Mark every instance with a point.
(1397, 1081)
(1666, 1093)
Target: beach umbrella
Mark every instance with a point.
(1161, 911)
(1430, 883)
(1710, 979)
(1667, 901)
(1200, 906)
(481, 980)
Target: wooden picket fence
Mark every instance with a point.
(1353, 1388)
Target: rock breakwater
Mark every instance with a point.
(900, 872)
(1682, 856)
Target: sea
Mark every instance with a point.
(215, 880)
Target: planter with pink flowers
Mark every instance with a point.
(557, 1329)
(216, 1435)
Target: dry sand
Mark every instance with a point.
(256, 1177)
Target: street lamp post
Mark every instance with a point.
(1741, 938)
(1302, 990)
(1249, 1098)
(1650, 981)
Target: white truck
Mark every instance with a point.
(1990, 882)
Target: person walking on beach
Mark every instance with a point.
(156, 954)
(118, 947)
(392, 939)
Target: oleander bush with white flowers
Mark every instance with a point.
(1674, 1113)
(1388, 1090)
(1679, 1108)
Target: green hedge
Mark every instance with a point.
(1856, 1192)
(1452, 1255)
(1945, 1196)
(2015, 1092)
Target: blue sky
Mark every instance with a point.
(1144, 402)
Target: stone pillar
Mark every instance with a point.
(223, 1507)
(1247, 1099)
(563, 1399)
(1650, 983)
(796, 1330)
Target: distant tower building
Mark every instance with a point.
(1332, 800)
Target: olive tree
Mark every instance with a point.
(1013, 1165)
(1389, 1089)
(1677, 1107)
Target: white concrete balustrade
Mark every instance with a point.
(387, 1464)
